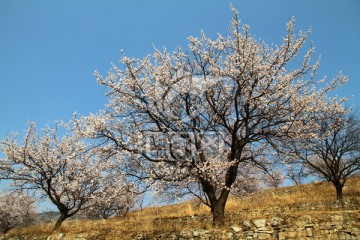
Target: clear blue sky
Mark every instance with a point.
(50, 49)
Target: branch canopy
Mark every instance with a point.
(204, 115)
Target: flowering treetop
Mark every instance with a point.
(200, 116)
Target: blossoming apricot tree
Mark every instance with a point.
(335, 155)
(63, 169)
(200, 116)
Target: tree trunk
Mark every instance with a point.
(339, 192)
(218, 213)
(217, 204)
(59, 221)
(339, 189)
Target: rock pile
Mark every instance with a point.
(305, 227)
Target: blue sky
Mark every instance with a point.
(50, 49)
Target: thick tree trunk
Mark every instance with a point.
(218, 213)
(218, 209)
(339, 192)
(339, 189)
(59, 221)
(217, 204)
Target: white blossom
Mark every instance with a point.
(196, 119)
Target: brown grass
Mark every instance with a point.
(149, 220)
(315, 193)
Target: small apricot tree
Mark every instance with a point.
(63, 169)
(335, 154)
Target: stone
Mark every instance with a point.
(199, 233)
(337, 218)
(263, 236)
(236, 229)
(58, 236)
(309, 232)
(250, 233)
(186, 234)
(282, 235)
(81, 236)
(230, 235)
(265, 230)
(325, 227)
(291, 234)
(259, 223)
(276, 221)
(247, 225)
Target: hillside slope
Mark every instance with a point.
(310, 206)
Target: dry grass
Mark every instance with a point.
(316, 193)
(150, 220)
(172, 210)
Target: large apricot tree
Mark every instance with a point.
(200, 116)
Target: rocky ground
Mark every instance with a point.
(310, 222)
(267, 216)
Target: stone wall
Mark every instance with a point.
(305, 221)
(299, 221)
(342, 227)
